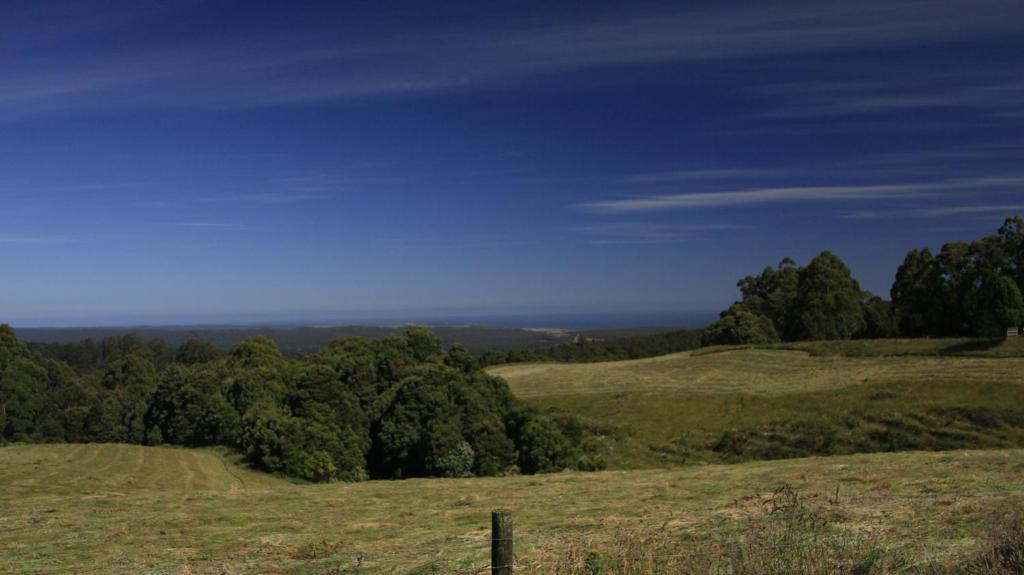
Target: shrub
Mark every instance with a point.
(542, 445)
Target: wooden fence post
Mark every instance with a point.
(502, 555)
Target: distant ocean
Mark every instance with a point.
(572, 321)
(581, 320)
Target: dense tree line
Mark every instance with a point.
(398, 406)
(968, 289)
(620, 348)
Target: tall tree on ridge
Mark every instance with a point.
(829, 301)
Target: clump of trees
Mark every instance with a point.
(789, 303)
(399, 406)
(967, 290)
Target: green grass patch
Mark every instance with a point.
(737, 404)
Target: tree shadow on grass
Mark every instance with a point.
(971, 346)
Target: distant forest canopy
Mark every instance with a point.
(397, 406)
(967, 290)
(549, 345)
(585, 350)
(300, 340)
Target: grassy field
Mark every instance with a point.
(729, 404)
(129, 509)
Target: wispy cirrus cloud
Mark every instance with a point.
(908, 164)
(998, 98)
(272, 191)
(321, 65)
(289, 190)
(211, 226)
(705, 174)
(649, 233)
(267, 198)
(937, 212)
(36, 240)
(662, 202)
(938, 157)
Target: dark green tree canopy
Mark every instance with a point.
(10, 347)
(917, 287)
(829, 301)
(966, 290)
(195, 351)
(819, 301)
(879, 319)
(739, 325)
(772, 294)
(396, 407)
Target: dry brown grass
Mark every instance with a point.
(786, 536)
(129, 509)
(1002, 552)
(789, 537)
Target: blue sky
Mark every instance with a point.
(181, 162)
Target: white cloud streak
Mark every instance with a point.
(649, 233)
(315, 67)
(919, 92)
(211, 226)
(793, 194)
(937, 212)
(32, 240)
(267, 198)
(698, 175)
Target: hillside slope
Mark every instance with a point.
(732, 404)
(129, 509)
(749, 371)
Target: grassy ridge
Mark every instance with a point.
(731, 404)
(130, 509)
(748, 371)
